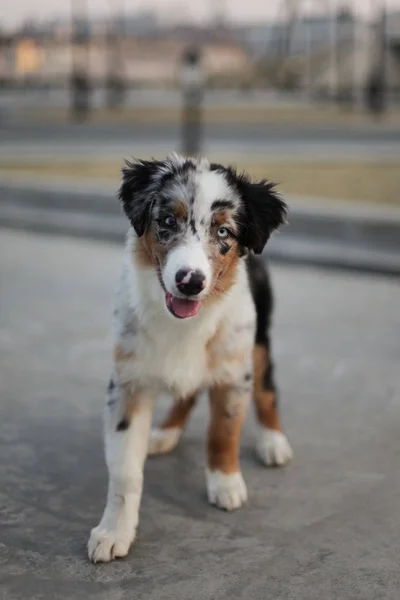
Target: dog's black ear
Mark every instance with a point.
(137, 192)
(264, 212)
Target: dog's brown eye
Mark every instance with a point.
(223, 233)
(170, 221)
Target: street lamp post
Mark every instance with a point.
(376, 97)
(115, 84)
(192, 92)
(80, 85)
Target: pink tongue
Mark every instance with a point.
(182, 308)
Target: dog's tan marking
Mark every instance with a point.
(131, 403)
(224, 270)
(143, 250)
(265, 400)
(227, 269)
(122, 360)
(179, 412)
(166, 437)
(221, 218)
(121, 354)
(179, 210)
(227, 415)
(149, 252)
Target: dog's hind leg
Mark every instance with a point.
(165, 437)
(273, 447)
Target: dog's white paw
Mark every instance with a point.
(163, 441)
(106, 544)
(226, 491)
(273, 447)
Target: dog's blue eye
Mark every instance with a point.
(170, 221)
(222, 233)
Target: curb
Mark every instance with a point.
(341, 235)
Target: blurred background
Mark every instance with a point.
(304, 92)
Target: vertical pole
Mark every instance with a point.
(384, 53)
(115, 86)
(80, 88)
(192, 91)
(351, 59)
(332, 48)
(308, 50)
(376, 90)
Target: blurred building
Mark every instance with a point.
(355, 53)
(143, 53)
(29, 58)
(324, 55)
(7, 61)
(156, 59)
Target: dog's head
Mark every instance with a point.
(194, 220)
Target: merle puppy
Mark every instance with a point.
(192, 312)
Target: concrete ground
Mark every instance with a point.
(326, 527)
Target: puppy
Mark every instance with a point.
(192, 312)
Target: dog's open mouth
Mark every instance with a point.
(182, 308)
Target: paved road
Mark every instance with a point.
(326, 527)
(60, 98)
(301, 141)
(16, 99)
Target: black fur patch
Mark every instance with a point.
(134, 192)
(248, 377)
(111, 385)
(142, 181)
(268, 380)
(224, 248)
(262, 296)
(222, 204)
(164, 235)
(261, 212)
(193, 226)
(123, 425)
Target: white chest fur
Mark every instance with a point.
(174, 354)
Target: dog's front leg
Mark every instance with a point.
(127, 426)
(225, 485)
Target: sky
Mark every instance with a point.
(14, 12)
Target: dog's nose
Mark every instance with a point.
(190, 282)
